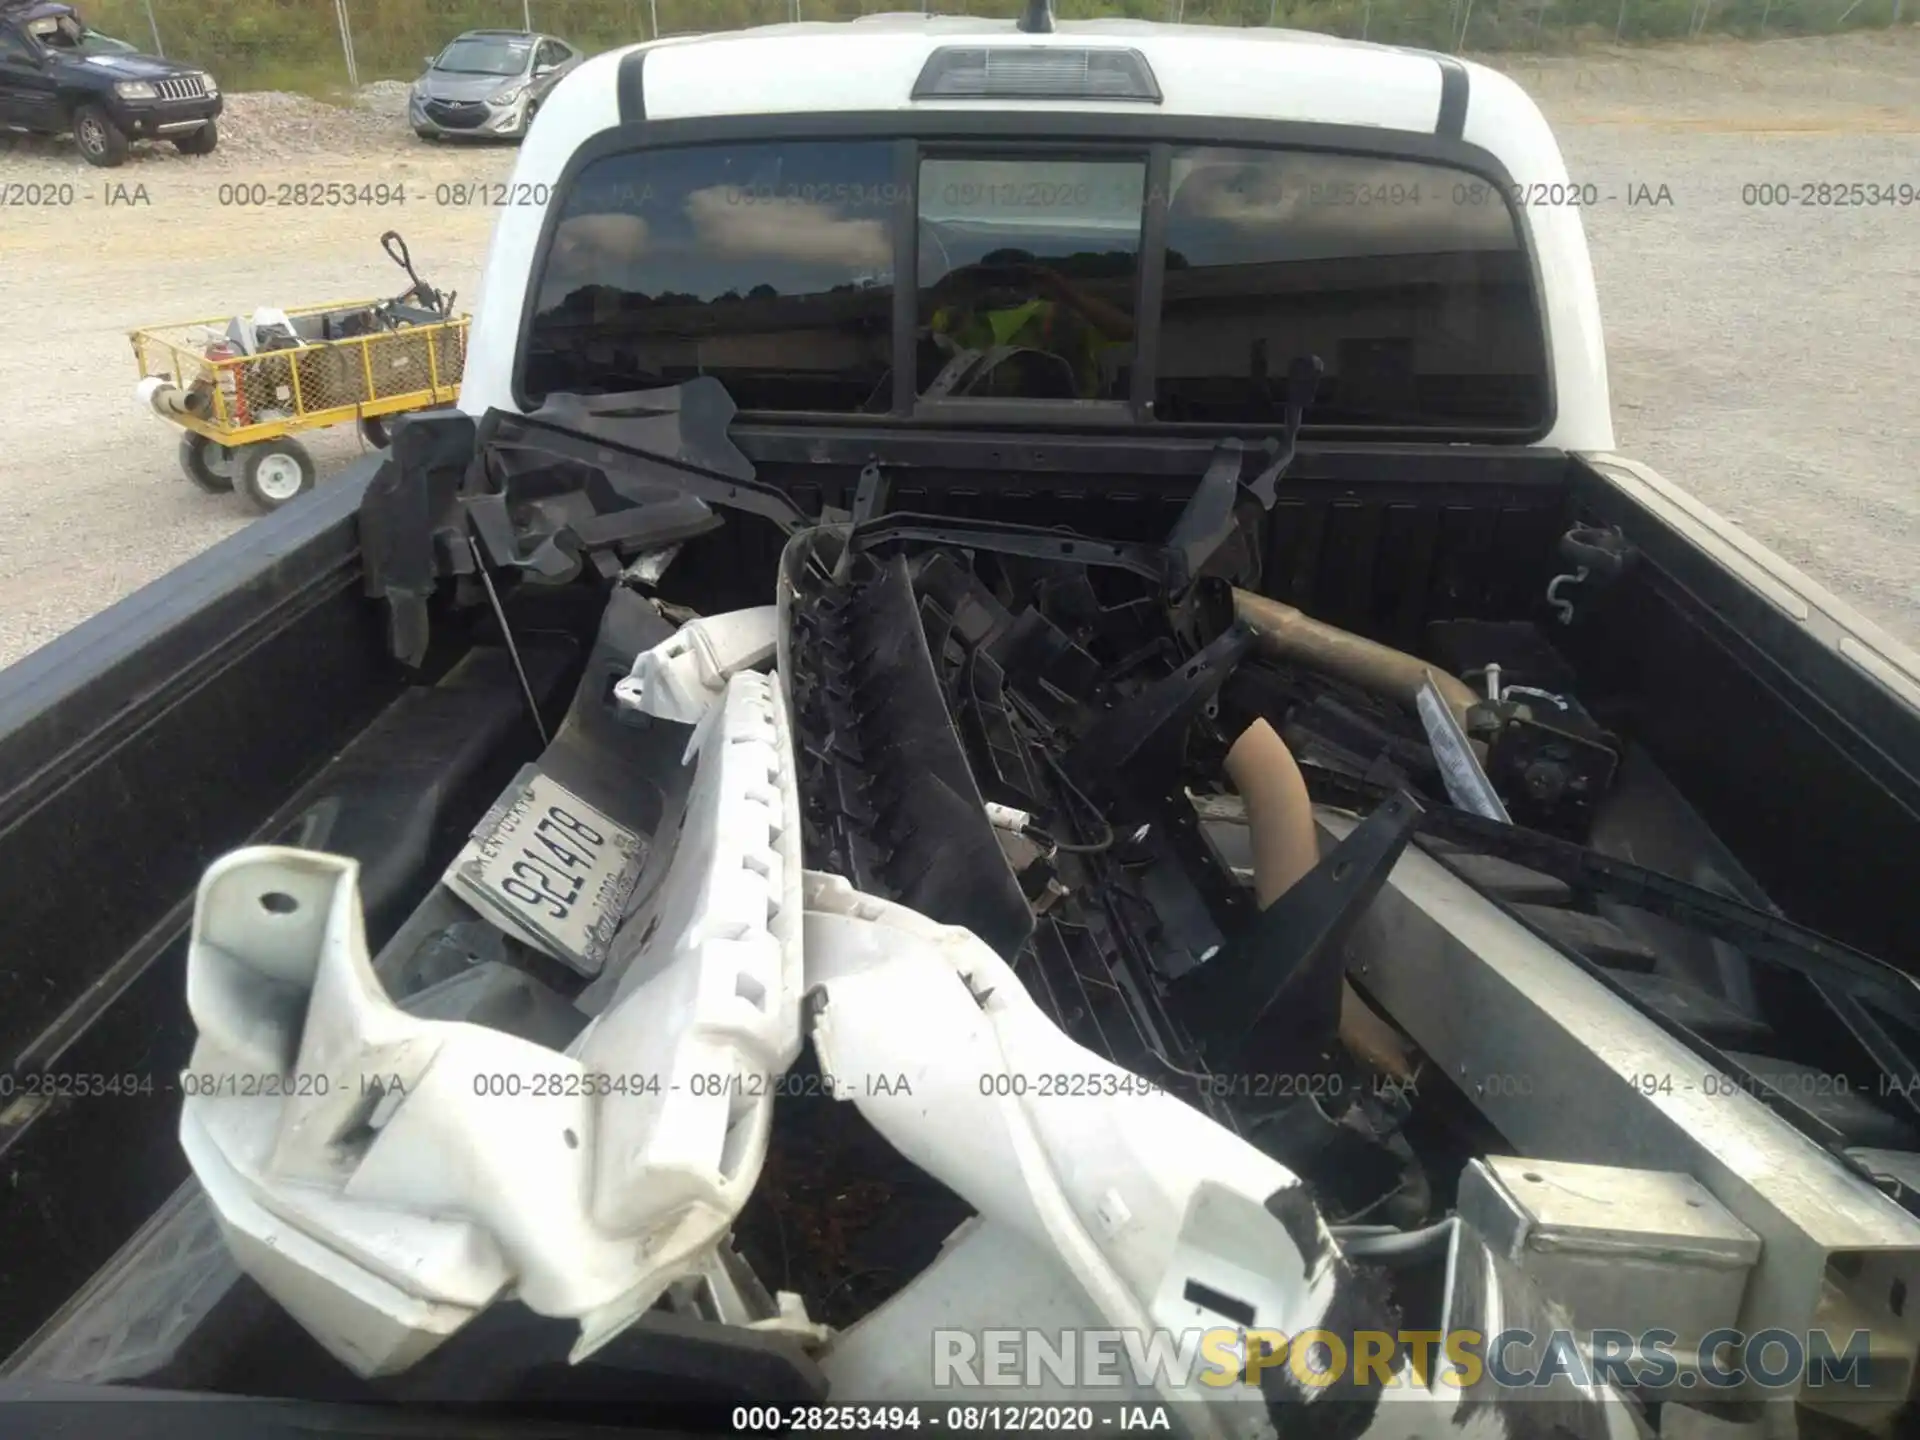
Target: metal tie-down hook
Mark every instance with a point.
(1565, 607)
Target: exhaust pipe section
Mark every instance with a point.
(1289, 634)
(163, 397)
(168, 400)
(1286, 843)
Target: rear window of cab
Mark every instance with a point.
(772, 267)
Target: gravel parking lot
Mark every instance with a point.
(1765, 357)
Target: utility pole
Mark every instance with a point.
(346, 42)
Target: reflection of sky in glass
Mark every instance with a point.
(1239, 207)
(973, 207)
(1070, 194)
(801, 218)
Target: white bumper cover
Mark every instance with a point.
(386, 1177)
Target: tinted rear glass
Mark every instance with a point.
(768, 266)
(1407, 280)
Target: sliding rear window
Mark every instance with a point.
(768, 266)
(1408, 280)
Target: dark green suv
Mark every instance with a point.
(58, 77)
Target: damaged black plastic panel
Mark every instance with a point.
(889, 797)
(1138, 749)
(409, 522)
(593, 481)
(583, 482)
(925, 686)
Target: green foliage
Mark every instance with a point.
(295, 44)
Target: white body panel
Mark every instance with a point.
(1131, 1194)
(386, 1177)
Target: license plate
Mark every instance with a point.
(549, 867)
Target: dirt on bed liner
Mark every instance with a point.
(839, 1216)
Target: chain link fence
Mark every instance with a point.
(309, 44)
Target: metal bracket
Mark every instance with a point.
(1207, 520)
(871, 497)
(1303, 383)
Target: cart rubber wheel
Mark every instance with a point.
(199, 142)
(207, 463)
(274, 472)
(101, 142)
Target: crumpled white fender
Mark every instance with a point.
(386, 1177)
(1146, 1203)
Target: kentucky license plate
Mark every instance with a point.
(552, 869)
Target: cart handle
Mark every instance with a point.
(396, 249)
(424, 293)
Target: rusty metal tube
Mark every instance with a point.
(1286, 845)
(1290, 634)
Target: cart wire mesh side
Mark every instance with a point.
(237, 399)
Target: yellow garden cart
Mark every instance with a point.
(243, 386)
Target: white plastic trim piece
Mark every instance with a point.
(682, 676)
(987, 1276)
(1135, 1194)
(707, 976)
(386, 1177)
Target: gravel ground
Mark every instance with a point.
(1765, 358)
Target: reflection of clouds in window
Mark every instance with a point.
(1030, 192)
(1225, 210)
(1237, 195)
(766, 265)
(590, 249)
(802, 232)
(600, 237)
